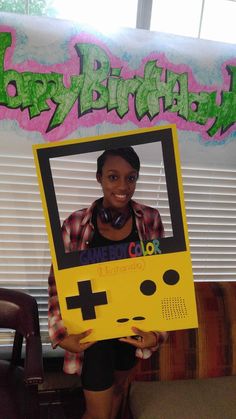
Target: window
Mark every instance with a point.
(220, 24)
(206, 19)
(104, 14)
(180, 17)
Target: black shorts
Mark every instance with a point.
(102, 359)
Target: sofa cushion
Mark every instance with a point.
(210, 398)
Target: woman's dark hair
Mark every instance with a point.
(127, 153)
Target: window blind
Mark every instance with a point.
(210, 202)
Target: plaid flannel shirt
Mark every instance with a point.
(77, 232)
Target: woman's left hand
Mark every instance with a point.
(141, 339)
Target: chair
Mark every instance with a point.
(19, 384)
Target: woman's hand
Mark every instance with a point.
(72, 343)
(142, 339)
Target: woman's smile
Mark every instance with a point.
(118, 181)
(121, 197)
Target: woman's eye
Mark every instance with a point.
(132, 179)
(112, 177)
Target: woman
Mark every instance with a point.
(113, 219)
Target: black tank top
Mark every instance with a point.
(99, 240)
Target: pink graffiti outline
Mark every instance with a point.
(73, 122)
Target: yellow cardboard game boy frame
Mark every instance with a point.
(152, 292)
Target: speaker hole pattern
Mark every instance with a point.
(173, 308)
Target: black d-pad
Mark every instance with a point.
(87, 300)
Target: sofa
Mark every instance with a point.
(193, 374)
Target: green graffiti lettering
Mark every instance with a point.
(147, 98)
(176, 98)
(225, 113)
(98, 86)
(173, 92)
(95, 68)
(65, 98)
(12, 78)
(38, 88)
(200, 107)
(112, 86)
(124, 89)
(165, 89)
(5, 42)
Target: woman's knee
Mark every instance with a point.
(121, 382)
(119, 389)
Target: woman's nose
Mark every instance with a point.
(123, 184)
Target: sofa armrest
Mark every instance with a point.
(33, 367)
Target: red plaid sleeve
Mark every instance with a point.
(148, 221)
(56, 328)
(71, 234)
(153, 223)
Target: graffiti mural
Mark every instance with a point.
(94, 85)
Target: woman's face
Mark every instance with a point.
(118, 181)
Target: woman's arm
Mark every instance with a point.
(56, 328)
(57, 331)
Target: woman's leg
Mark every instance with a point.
(119, 391)
(106, 404)
(98, 404)
(125, 361)
(106, 367)
(97, 380)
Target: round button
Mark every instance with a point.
(148, 287)
(171, 277)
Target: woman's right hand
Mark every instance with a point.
(71, 343)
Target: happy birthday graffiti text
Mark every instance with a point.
(99, 86)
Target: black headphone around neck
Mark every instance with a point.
(117, 220)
